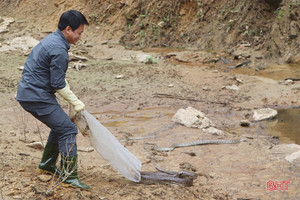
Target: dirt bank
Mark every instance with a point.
(269, 27)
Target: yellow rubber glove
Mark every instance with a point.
(70, 97)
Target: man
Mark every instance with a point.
(44, 75)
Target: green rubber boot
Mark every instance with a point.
(48, 163)
(70, 174)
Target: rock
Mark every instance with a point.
(239, 80)
(161, 24)
(105, 42)
(142, 57)
(36, 145)
(24, 43)
(245, 45)
(214, 131)
(293, 59)
(169, 55)
(11, 193)
(213, 60)
(57, 3)
(288, 82)
(244, 123)
(86, 149)
(241, 54)
(294, 30)
(146, 58)
(191, 118)
(17, 197)
(38, 188)
(5, 21)
(121, 76)
(6, 48)
(24, 154)
(265, 113)
(12, 133)
(21, 169)
(107, 58)
(20, 68)
(232, 87)
(205, 88)
(79, 65)
(294, 156)
(44, 177)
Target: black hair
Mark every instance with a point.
(72, 18)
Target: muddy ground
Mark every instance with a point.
(130, 107)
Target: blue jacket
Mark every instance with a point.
(45, 70)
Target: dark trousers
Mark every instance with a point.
(63, 130)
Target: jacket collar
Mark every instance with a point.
(63, 38)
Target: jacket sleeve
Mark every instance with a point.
(58, 66)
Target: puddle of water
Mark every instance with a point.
(274, 71)
(139, 120)
(286, 126)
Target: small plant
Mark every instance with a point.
(151, 60)
(252, 32)
(141, 34)
(279, 13)
(198, 13)
(230, 24)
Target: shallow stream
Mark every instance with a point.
(287, 123)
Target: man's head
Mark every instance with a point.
(71, 24)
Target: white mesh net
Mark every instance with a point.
(111, 150)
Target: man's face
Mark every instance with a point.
(74, 36)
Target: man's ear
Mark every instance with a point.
(69, 29)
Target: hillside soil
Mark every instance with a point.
(136, 102)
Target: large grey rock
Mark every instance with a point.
(264, 113)
(24, 43)
(192, 118)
